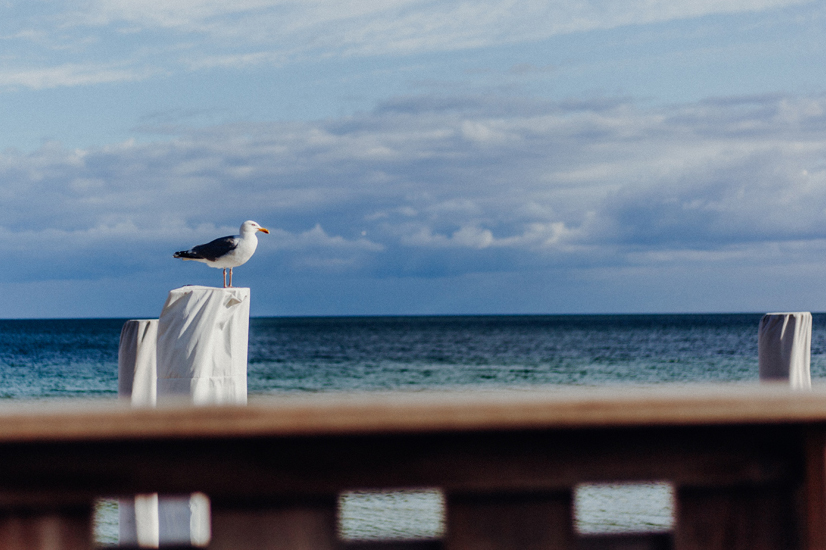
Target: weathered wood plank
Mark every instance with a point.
(643, 541)
(745, 518)
(262, 526)
(457, 462)
(632, 541)
(536, 521)
(416, 413)
(815, 490)
(50, 529)
(736, 455)
(393, 545)
(636, 541)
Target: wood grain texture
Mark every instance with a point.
(740, 456)
(525, 521)
(815, 490)
(55, 529)
(274, 528)
(289, 467)
(631, 541)
(745, 518)
(393, 545)
(417, 412)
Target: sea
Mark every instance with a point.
(77, 359)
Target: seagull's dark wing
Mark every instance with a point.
(210, 251)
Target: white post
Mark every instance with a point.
(197, 349)
(784, 348)
(202, 355)
(137, 381)
(203, 334)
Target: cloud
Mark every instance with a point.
(317, 238)
(369, 27)
(70, 74)
(134, 39)
(408, 191)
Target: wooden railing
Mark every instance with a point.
(747, 464)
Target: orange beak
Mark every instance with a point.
(264, 230)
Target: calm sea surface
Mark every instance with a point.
(78, 358)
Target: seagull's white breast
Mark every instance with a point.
(240, 255)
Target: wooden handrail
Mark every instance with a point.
(400, 412)
(748, 462)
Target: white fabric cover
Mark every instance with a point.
(197, 349)
(203, 334)
(784, 348)
(202, 345)
(137, 366)
(184, 519)
(137, 379)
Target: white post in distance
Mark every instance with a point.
(137, 382)
(784, 348)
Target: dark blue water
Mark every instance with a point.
(68, 358)
(59, 358)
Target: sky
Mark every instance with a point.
(415, 157)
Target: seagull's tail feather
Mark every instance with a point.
(187, 255)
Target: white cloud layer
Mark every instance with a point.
(419, 188)
(480, 148)
(69, 75)
(130, 39)
(406, 25)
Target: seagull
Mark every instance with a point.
(226, 252)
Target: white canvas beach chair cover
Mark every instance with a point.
(196, 350)
(137, 379)
(784, 348)
(203, 334)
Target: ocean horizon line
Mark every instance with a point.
(424, 315)
(427, 315)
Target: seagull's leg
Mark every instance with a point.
(225, 277)
(230, 277)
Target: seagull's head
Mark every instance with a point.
(250, 226)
